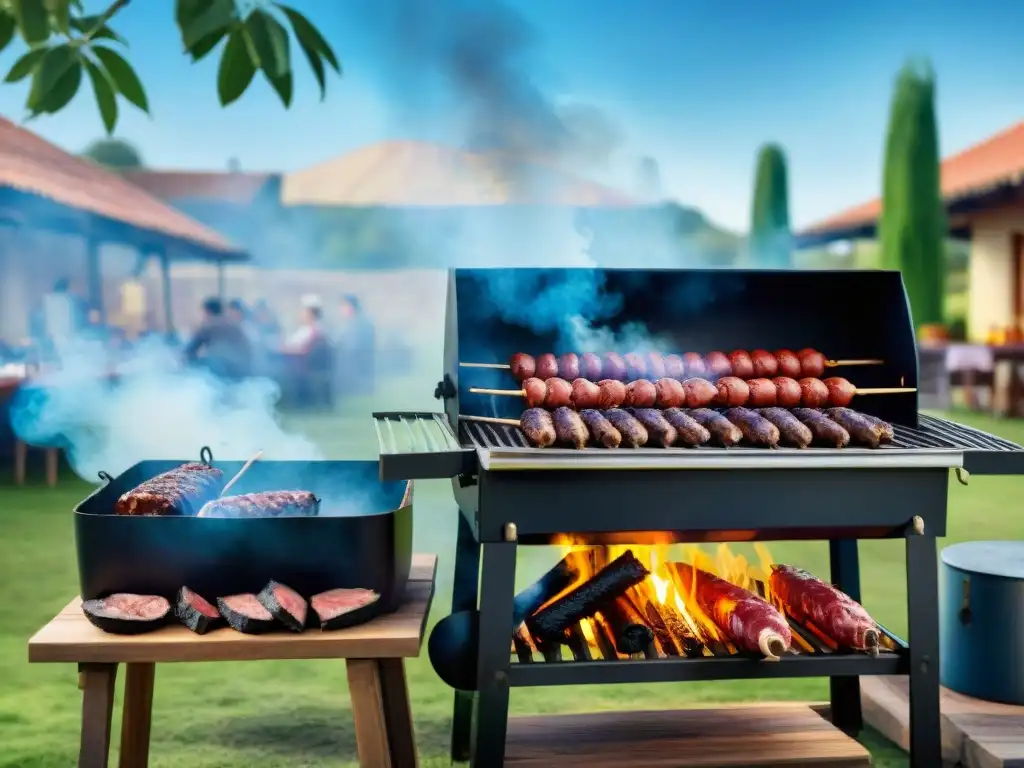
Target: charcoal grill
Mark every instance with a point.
(510, 494)
(362, 537)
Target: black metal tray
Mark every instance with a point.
(362, 537)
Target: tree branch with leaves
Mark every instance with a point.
(64, 43)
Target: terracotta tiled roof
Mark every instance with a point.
(226, 187)
(29, 163)
(411, 173)
(994, 162)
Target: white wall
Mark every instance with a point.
(990, 275)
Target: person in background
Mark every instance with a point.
(220, 345)
(311, 328)
(355, 343)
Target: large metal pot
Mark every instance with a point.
(981, 617)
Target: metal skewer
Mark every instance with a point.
(491, 420)
(869, 391)
(828, 364)
(242, 471)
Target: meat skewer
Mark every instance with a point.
(660, 432)
(601, 430)
(634, 434)
(749, 622)
(809, 599)
(724, 432)
(791, 429)
(689, 430)
(863, 429)
(758, 363)
(755, 427)
(570, 428)
(824, 430)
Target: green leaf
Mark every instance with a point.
(310, 37)
(106, 98)
(60, 94)
(60, 15)
(200, 50)
(317, 65)
(33, 21)
(123, 76)
(218, 15)
(283, 85)
(236, 70)
(53, 66)
(26, 65)
(86, 24)
(186, 10)
(270, 40)
(7, 28)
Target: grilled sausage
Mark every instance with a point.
(535, 391)
(812, 363)
(266, 504)
(675, 367)
(585, 394)
(690, 432)
(559, 393)
(762, 393)
(659, 431)
(717, 364)
(765, 364)
(179, 491)
(886, 434)
(547, 366)
(613, 367)
(732, 391)
(791, 429)
(789, 363)
(636, 366)
(656, 365)
(613, 393)
(861, 430)
(755, 427)
(813, 394)
(742, 365)
(569, 366)
(570, 429)
(590, 366)
(669, 392)
(523, 366)
(787, 392)
(723, 431)
(825, 431)
(538, 426)
(634, 435)
(695, 365)
(601, 430)
(840, 391)
(700, 393)
(641, 394)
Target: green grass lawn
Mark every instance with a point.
(296, 713)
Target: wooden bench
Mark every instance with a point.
(374, 654)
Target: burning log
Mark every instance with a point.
(549, 625)
(565, 573)
(629, 632)
(750, 622)
(673, 635)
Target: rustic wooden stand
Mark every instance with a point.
(374, 654)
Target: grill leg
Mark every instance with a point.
(844, 691)
(464, 594)
(490, 715)
(923, 636)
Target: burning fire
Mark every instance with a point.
(666, 603)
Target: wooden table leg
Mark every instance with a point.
(52, 464)
(20, 461)
(365, 689)
(97, 684)
(137, 717)
(398, 713)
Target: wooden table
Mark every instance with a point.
(374, 654)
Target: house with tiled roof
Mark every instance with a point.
(983, 189)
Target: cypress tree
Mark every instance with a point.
(912, 228)
(770, 239)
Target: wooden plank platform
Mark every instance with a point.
(69, 637)
(975, 733)
(768, 736)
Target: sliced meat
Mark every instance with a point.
(284, 604)
(690, 432)
(862, 431)
(196, 612)
(659, 431)
(601, 430)
(539, 427)
(792, 431)
(824, 430)
(339, 608)
(756, 429)
(570, 428)
(246, 614)
(723, 431)
(634, 435)
(127, 614)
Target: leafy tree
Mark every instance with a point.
(913, 223)
(770, 239)
(64, 43)
(114, 153)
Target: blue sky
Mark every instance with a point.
(697, 85)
